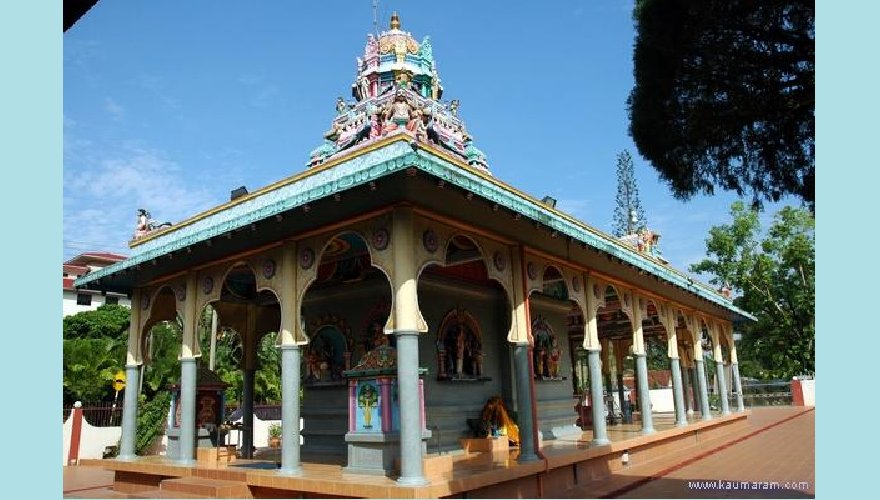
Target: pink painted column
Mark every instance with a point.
(385, 391)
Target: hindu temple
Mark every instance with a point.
(423, 308)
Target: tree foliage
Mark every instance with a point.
(724, 95)
(95, 344)
(93, 350)
(106, 322)
(773, 279)
(627, 206)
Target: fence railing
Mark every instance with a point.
(263, 411)
(98, 414)
(774, 393)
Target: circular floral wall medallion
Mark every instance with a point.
(208, 285)
(306, 258)
(268, 268)
(429, 239)
(532, 271)
(380, 239)
(575, 284)
(499, 261)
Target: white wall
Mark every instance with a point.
(92, 440)
(69, 305)
(809, 389)
(662, 401)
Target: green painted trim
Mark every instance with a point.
(384, 161)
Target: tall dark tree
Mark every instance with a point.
(629, 216)
(724, 95)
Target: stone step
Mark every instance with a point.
(163, 494)
(213, 488)
(97, 493)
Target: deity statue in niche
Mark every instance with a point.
(313, 366)
(539, 361)
(547, 354)
(476, 357)
(459, 347)
(553, 359)
(377, 335)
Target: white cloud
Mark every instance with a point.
(101, 201)
(115, 110)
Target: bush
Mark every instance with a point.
(151, 420)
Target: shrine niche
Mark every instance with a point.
(547, 354)
(460, 348)
(329, 351)
(372, 332)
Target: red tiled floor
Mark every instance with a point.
(778, 462)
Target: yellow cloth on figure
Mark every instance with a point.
(495, 413)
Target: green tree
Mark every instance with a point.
(267, 380)
(724, 95)
(89, 366)
(165, 339)
(774, 279)
(629, 216)
(93, 350)
(107, 321)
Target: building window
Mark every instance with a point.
(83, 299)
(111, 300)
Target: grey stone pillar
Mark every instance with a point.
(600, 433)
(187, 442)
(686, 385)
(620, 397)
(695, 388)
(129, 414)
(247, 413)
(677, 392)
(644, 394)
(705, 413)
(524, 403)
(290, 384)
(411, 466)
(722, 387)
(740, 406)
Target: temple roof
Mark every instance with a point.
(397, 127)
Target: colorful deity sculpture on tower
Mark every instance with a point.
(397, 90)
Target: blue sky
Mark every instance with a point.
(170, 105)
